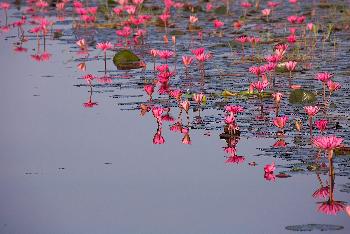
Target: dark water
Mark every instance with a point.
(69, 169)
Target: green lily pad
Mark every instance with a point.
(221, 10)
(301, 96)
(193, 28)
(177, 33)
(126, 60)
(344, 150)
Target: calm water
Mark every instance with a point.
(70, 169)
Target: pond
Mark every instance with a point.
(115, 120)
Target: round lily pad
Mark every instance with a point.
(126, 60)
(301, 96)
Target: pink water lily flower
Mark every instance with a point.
(5, 5)
(234, 109)
(311, 110)
(327, 142)
(154, 52)
(176, 94)
(333, 86)
(198, 98)
(187, 60)
(104, 46)
(269, 168)
(323, 76)
(242, 39)
(193, 19)
(163, 68)
(266, 12)
(149, 89)
(321, 124)
(218, 24)
(291, 65)
(165, 54)
(246, 5)
(273, 4)
(260, 86)
(280, 122)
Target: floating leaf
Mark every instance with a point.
(301, 96)
(126, 60)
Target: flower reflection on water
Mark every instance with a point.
(182, 87)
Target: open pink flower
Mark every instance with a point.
(234, 109)
(198, 98)
(218, 24)
(163, 68)
(154, 52)
(292, 19)
(283, 47)
(203, 57)
(266, 12)
(198, 51)
(311, 110)
(273, 4)
(323, 76)
(176, 93)
(257, 70)
(321, 124)
(165, 54)
(164, 17)
(333, 86)
(292, 38)
(242, 39)
(104, 46)
(187, 60)
(280, 122)
(5, 6)
(246, 5)
(327, 142)
(124, 32)
(193, 19)
(291, 65)
(260, 86)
